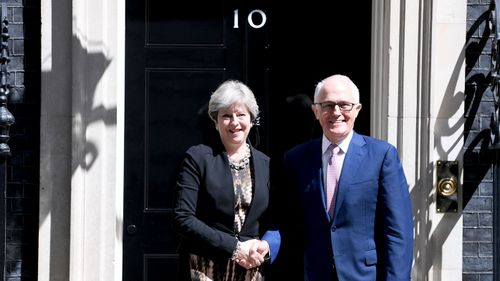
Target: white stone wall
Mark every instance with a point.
(418, 83)
(82, 140)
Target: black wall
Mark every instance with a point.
(22, 192)
(479, 160)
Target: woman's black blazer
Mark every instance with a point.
(204, 208)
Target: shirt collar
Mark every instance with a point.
(343, 144)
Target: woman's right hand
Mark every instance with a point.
(252, 253)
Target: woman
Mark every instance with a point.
(223, 195)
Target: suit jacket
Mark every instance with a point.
(371, 234)
(204, 209)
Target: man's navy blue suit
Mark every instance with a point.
(371, 234)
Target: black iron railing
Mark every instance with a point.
(495, 73)
(6, 118)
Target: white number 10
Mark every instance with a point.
(250, 19)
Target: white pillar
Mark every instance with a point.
(97, 152)
(55, 142)
(82, 125)
(418, 82)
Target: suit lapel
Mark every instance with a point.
(352, 161)
(318, 183)
(257, 183)
(257, 171)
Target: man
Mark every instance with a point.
(350, 217)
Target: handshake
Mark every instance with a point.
(251, 253)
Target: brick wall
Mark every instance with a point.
(22, 194)
(478, 157)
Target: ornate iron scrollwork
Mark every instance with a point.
(495, 73)
(6, 118)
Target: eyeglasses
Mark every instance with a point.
(330, 106)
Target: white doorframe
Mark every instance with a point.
(417, 99)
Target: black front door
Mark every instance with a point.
(176, 55)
